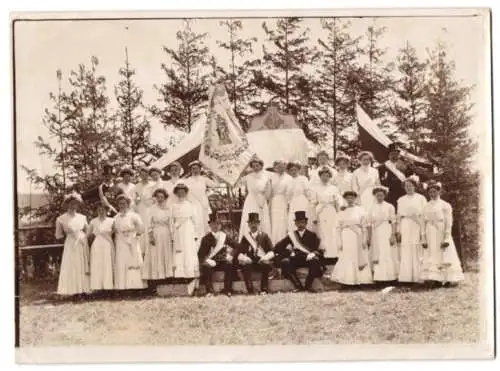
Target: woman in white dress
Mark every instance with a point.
(185, 239)
(279, 203)
(343, 178)
(158, 259)
(175, 171)
(198, 185)
(327, 201)
(323, 162)
(102, 251)
(410, 224)
(382, 238)
(299, 197)
(126, 185)
(364, 179)
(441, 265)
(258, 187)
(74, 276)
(128, 227)
(143, 201)
(353, 267)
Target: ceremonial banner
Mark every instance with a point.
(224, 149)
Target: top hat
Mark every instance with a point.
(212, 218)
(253, 217)
(393, 147)
(300, 215)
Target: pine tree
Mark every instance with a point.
(285, 76)
(335, 97)
(409, 109)
(184, 94)
(449, 119)
(373, 79)
(238, 76)
(134, 146)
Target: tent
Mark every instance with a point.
(271, 136)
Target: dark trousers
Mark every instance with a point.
(290, 265)
(263, 268)
(206, 275)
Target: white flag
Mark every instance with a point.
(224, 150)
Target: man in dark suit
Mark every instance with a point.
(108, 191)
(256, 253)
(300, 249)
(392, 175)
(216, 251)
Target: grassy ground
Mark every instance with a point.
(441, 315)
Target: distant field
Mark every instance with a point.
(442, 315)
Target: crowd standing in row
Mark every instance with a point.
(355, 228)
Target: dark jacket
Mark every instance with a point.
(309, 240)
(208, 242)
(263, 241)
(390, 180)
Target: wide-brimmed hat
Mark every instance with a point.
(195, 163)
(377, 189)
(350, 194)
(253, 218)
(365, 153)
(342, 157)
(300, 215)
(126, 170)
(180, 186)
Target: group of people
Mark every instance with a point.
(354, 228)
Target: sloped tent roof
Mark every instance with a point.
(271, 136)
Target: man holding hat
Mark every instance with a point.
(392, 175)
(300, 249)
(255, 253)
(108, 191)
(216, 252)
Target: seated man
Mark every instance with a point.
(216, 250)
(300, 249)
(255, 253)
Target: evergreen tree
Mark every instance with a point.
(409, 109)
(238, 76)
(184, 94)
(285, 76)
(373, 79)
(335, 97)
(449, 119)
(134, 146)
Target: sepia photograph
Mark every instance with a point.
(194, 184)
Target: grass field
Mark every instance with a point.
(401, 316)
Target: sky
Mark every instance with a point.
(43, 47)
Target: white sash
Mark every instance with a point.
(389, 165)
(254, 245)
(220, 244)
(297, 244)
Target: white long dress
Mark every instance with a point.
(169, 186)
(410, 224)
(343, 181)
(279, 206)
(158, 258)
(325, 199)
(185, 240)
(258, 187)
(197, 194)
(299, 198)
(102, 254)
(439, 264)
(352, 257)
(364, 179)
(144, 200)
(384, 256)
(128, 258)
(75, 265)
(129, 191)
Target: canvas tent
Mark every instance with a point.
(271, 136)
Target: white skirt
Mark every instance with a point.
(347, 270)
(73, 275)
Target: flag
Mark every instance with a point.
(225, 150)
(373, 139)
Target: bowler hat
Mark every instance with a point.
(253, 218)
(300, 215)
